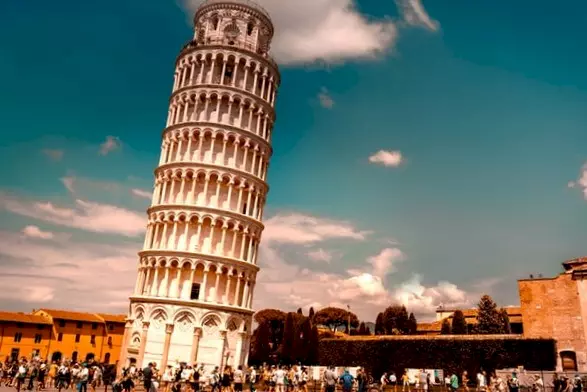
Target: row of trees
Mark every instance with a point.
(395, 320)
(490, 320)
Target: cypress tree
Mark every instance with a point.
(300, 311)
(379, 328)
(412, 324)
(313, 347)
(459, 324)
(289, 340)
(311, 313)
(445, 328)
(488, 318)
(261, 350)
(505, 321)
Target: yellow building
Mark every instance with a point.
(24, 335)
(61, 334)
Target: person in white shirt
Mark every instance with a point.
(238, 378)
(279, 377)
(252, 378)
(481, 381)
(83, 376)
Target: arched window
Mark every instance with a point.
(250, 27)
(107, 358)
(56, 356)
(90, 357)
(74, 356)
(569, 361)
(215, 23)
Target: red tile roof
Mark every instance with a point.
(113, 318)
(74, 316)
(19, 317)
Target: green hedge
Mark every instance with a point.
(450, 353)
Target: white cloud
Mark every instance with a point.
(330, 30)
(141, 193)
(383, 263)
(110, 144)
(304, 229)
(68, 183)
(284, 283)
(320, 255)
(66, 274)
(414, 14)
(85, 215)
(53, 154)
(35, 232)
(325, 99)
(387, 158)
(581, 182)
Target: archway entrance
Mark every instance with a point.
(56, 356)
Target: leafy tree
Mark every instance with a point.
(395, 320)
(276, 320)
(459, 324)
(412, 324)
(445, 328)
(335, 318)
(488, 318)
(379, 328)
(505, 321)
(261, 343)
(362, 329)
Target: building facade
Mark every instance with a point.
(193, 296)
(557, 308)
(442, 313)
(56, 335)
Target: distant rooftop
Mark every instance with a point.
(573, 263)
(247, 3)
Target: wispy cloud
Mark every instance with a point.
(141, 193)
(414, 14)
(53, 154)
(84, 215)
(111, 143)
(320, 255)
(387, 158)
(35, 232)
(325, 99)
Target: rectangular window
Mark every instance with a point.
(77, 338)
(14, 354)
(17, 337)
(93, 339)
(195, 293)
(94, 325)
(79, 324)
(110, 327)
(38, 338)
(245, 209)
(40, 326)
(110, 340)
(59, 337)
(62, 323)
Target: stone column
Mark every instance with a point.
(166, 344)
(240, 344)
(143, 344)
(222, 348)
(124, 349)
(195, 345)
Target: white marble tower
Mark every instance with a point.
(194, 291)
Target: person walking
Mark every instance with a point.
(347, 381)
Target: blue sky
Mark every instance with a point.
(487, 105)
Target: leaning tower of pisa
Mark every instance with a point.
(193, 296)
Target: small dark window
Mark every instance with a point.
(93, 339)
(250, 27)
(38, 338)
(62, 323)
(94, 325)
(77, 338)
(228, 72)
(74, 356)
(18, 325)
(245, 209)
(17, 337)
(110, 327)
(110, 341)
(40, 326)
(107, 358)
(195, 293)
(80, 324)
(215, 23)
(59, 337)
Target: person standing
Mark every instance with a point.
(238, 378)
(330, 379)
(279, 378)
(252, 379)
(454, 382)
(347, 381)
(360, 380)
(148, 377)
(83, 376)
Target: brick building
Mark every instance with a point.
(433, 328)
(59, 334)
(557, 308)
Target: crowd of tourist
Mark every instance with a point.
(38, 375)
